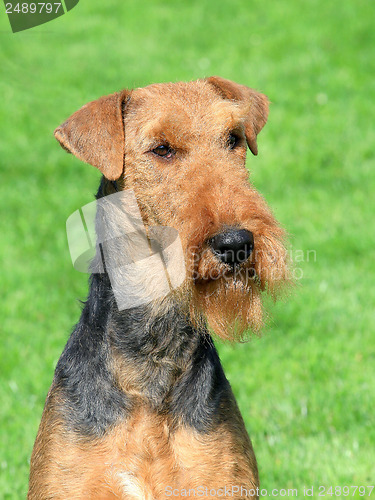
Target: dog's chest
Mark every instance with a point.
(150, 461)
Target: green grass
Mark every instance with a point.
(306, 388)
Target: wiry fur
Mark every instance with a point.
(139, 399)
(196, 120)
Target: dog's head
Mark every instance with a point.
(182, 148)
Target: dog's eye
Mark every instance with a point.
(233, 141)
(164, 151)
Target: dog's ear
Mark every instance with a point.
(95, 134)
(254, 103)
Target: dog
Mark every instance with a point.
(139, 407)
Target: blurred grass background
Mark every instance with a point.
(306, 388)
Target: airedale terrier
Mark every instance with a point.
(139, 407)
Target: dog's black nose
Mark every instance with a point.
(233, 246)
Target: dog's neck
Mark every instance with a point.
(158, 346)
(135, 357)
(162, 332)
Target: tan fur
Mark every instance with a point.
(198, 192)
(147, 452)
(204, 190)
